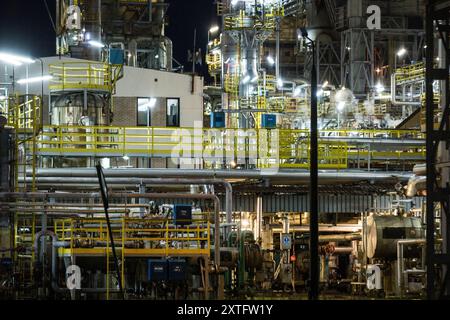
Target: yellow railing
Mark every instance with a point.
(84, 75)
(242, 21)
(214, 61)
(410, 72)
(282, 147)
(135, 236)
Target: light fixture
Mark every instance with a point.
(379, 88)
(319, 93)
(150, 103)
(270, 60)
(126, 158)
(340, 106)
(213, 29)
(378, 70)
(246, 79)
(157, 56)
(96, 44)
(297, 91)
(325, 84)
(106, 163)
(34, 79)
(210, 43)
(233, 164)
(280, 83)
(245, 223)
(14, 59)
(401, 52)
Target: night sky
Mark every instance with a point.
(25, 27)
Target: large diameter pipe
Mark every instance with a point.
(340, 237)
(285, 175)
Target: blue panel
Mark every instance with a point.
(218, 120)
(182, 214)
(157, 270)
(268, 121)
(116, 56)
(177, 270)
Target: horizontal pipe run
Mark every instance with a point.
(285, 175)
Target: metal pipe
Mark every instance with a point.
(214, 198)
(394, 95)
(286, 175)
(155, 181)
(343, 250)
(340, 237)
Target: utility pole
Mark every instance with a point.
(194, 52)
(314, 180)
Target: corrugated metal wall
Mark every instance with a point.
(327, 203)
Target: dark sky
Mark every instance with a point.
(25, 26)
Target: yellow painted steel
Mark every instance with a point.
(134, 237)
(411, 72)
(95, 76)
(283, 147)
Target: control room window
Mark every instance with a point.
(173, 112)
(145, 106)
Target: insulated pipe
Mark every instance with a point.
(340, 237)
(411, 189)
(223, 174)
(394, 95)
(214, 198)
(343, 250)
(158, 181)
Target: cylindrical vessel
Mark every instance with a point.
(383, 232)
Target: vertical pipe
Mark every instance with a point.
(430, 149)
(277, 59)
(313, 193)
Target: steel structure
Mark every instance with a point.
(438, 138)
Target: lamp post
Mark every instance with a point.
(314, 180)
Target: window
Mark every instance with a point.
(173, 112)
(145, 106)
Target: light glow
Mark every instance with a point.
(96, 44)
(401, 52)
(270, 60)
(34, 79)
(14, 59)
(213, 29)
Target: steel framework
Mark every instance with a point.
(438, 143)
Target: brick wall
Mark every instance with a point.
(125, 111)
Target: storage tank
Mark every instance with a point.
(70, 109)
(383, 232)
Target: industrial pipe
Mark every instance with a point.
(286, 175)
(394, 95)
(340, 237)
(214, 198)
(411, 189)
(156, 181)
